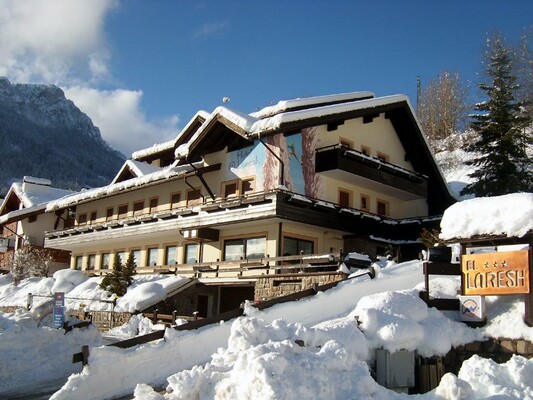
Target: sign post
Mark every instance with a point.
(497, 274)
(59, 310)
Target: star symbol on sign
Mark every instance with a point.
(504, 264)
(486, 264)
(495, 265)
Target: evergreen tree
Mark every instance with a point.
(501, 160)
(128, 270)
(113, 282)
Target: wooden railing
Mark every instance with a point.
(244, 267)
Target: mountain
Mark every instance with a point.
(45, 135)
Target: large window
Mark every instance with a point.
(123, 211)
(293, 246)
(138, 207)
(170, 255)
(91, 261)
(104, 261)
(382, 207)
(191, 253)
(121, 257)
(153, 204)
(78, 263)
(151, 256)
(235, 249)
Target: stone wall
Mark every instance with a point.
(269, 287)
(499, 350)
(104, 320)
(10, 309)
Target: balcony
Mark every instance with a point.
(370, 172)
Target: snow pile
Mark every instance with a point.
(67, 279)
(136, 326)
(402, 321)
(511, 380)
(262, 360)
(28, 346)
(510, 215)
(83, 293)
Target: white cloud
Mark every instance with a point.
(121, 121)
(56, 41)
(63, 42)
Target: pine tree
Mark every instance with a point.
(501, 160)
(128, 270)
(113, 282)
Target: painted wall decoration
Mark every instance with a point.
(297, 152)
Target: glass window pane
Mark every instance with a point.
(191, 250)
(105, 261)
(79, 260)
(91, 262)
(255, 247)
(170, 255)
(120, 256)
(233, 249)
(152, 257)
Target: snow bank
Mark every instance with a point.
(83, 293)
(264, 361)
(28, 346)
(402, 321)
(511, 380)
(510, 215)
(114, 372)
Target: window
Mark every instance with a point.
(104, 261)
(78, 263)
(170, 255)
(345, 198)
(138, 207)
(175, 199)
(93, 216)
(346, 143)
(194, 197)
(82, 219)
(123, 211)
(382, 156)
(230, 189)
(109, 213)
(91, 262)
(191, 253)
(382, 207)
(136, 257)
(293, 246)
(365, 202)
(248, 185)
(365, 150)
(153, 204)
(151, 256)
(235, 249)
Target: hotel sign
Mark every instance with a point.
(495, 273)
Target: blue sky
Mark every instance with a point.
(141, 69)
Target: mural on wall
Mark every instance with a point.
(297, 151)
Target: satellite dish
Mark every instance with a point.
(226, 99)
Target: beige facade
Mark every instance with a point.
(271, 193)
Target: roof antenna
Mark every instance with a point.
(226, 99)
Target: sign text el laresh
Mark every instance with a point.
(496, 273)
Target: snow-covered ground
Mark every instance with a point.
(321, 347)
(257, 357)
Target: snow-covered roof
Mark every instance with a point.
(306, 102)
(157, 148)
(138, 168)
(275, 122)
(115, 188)
(510, 215)
(34, 194)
